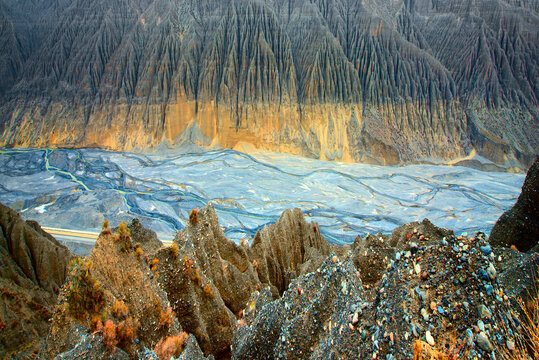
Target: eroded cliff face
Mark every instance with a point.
(370, 81)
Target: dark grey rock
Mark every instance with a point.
(192, 351)
(312, 320)
(145, 237)
(519, 226)
(91, 347)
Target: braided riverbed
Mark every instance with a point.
(78, 189)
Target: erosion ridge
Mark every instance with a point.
(33, 267)
(348, 80)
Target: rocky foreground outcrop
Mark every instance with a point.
(519, 226)
(310, 321)
(146, 238)
(200, 285)
(209, 278)
(114, 293)
(439, 290)
(285, 294)
(33, 268)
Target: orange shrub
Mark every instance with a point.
(105, 228)
(153, 265)
(171, 346)
(84, 294)
(174, 249)
(96, 323)
(119, 309)
(193, 217)
(165, 319)
(207, 290)
(109, 335)
(195, 276)
(125, 334)
(123, 231)
(139, 252)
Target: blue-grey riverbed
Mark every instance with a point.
(78, 189)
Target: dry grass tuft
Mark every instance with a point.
(171, 346)
(455, 349)
(193, 217)
(119, 310)
(174, 250)
(526, 344)
(166, 318)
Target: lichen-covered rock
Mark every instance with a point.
(445, 289)
(371, 256)
(423, 233)
(314, 319)
(519, 226)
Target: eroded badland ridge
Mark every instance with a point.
(373, 81)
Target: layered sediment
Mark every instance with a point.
(358, 81)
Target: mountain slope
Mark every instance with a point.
(375, 81)
(33, 268)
